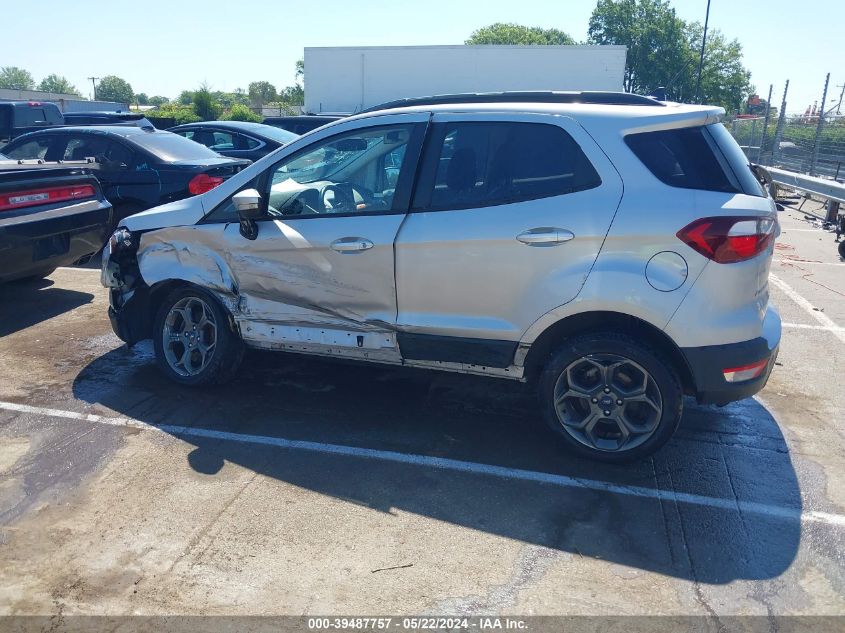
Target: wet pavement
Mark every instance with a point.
(310, 486)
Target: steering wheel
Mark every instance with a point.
(343, 200)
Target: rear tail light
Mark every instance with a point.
(746, 372)
(202, 183)
(730, 239)
(46, 195)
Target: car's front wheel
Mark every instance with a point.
(610, 398)
(194, 341)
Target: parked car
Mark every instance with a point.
(301, 124)
(138, 168)
(615, 255)
(107, 118)
(20, 117)
(236, 139)
(50, 216)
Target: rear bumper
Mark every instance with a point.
(707, 364)
(32, 246)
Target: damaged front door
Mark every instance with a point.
(319, 276)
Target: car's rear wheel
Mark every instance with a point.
(610, 398)
(194, 341)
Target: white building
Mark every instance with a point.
(350, 79)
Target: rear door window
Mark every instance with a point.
(32, 149)
(479, 164)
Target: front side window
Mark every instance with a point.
(480, 164)
(82, 147)
(343, 174)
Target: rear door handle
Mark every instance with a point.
(545, 236)
(351, 244)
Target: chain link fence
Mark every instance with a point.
(810, 143)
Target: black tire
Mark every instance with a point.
(841, 248)
(586, 354)
(225, 358)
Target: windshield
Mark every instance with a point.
(321, 163)
(275, 133)
(171, 147)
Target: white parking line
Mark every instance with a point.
(442, 463)
(804, 262)
(810, 326)
(78, 269)
(821, 317)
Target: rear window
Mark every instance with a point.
(691, 158)
(171, 147)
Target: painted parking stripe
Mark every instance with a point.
(804, 262)
(810, 326)
(453, 465)
(808, 307)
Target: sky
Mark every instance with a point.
(165, 46)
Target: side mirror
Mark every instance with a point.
(248, 205)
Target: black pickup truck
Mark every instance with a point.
(50, 215)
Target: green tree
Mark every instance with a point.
(293, 95)
(240, 112)
(205, 106)
(502, 33)
(261, 92)
(141, 98)
(658, 48)
(186, 97)
(58, 84)
(113, 88)
(16, 78)
(157, 100)
(180, 113)
(724, 80)
(300, 69)
(663, 50)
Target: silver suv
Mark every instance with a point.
(612, 249)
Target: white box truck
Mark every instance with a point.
(350, 79)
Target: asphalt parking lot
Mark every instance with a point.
(314, 487)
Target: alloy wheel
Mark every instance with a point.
(189, 336)
(608, 402)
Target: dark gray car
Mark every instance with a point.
(236, 139)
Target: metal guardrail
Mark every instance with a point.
(822, 187)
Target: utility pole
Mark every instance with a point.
(841, 94)
(93, 83)
(701, 59)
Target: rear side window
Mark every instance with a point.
(479, 164)
(30, 150)
(169, 147)
(692, 158)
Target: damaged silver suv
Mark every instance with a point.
(611, 248)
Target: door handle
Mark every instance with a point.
(545, 236)
(351, 244)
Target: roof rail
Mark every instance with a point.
(539, 96)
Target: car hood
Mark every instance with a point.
(178, 213)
